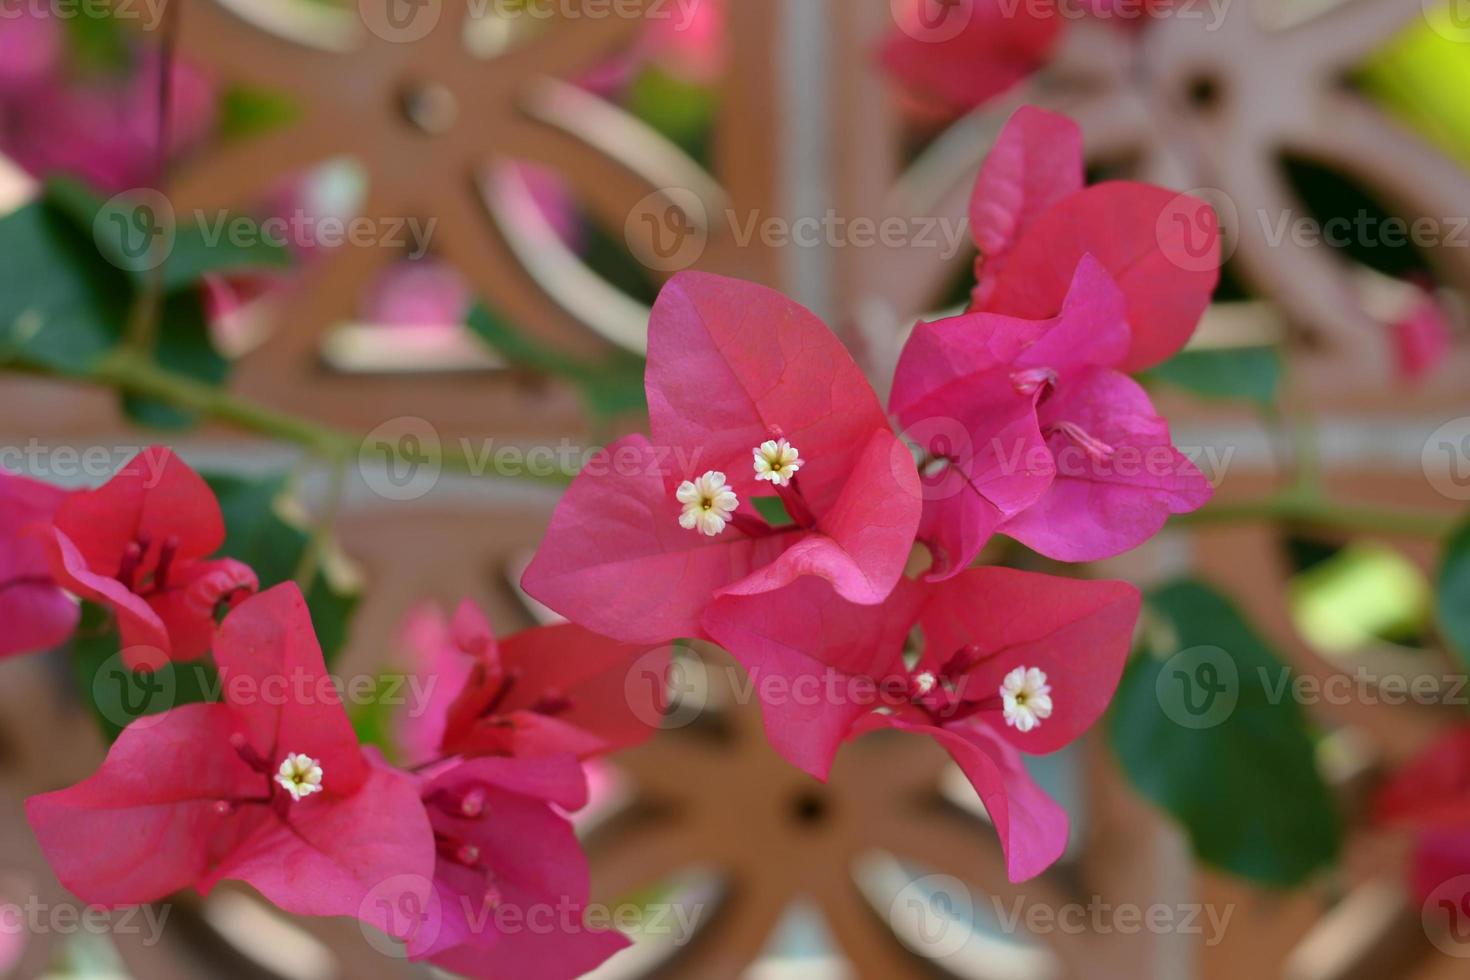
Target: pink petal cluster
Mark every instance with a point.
(35, 613)
(977, 627)
(1430, 798)
(1024, 422)
(140, 546)
(732, 365)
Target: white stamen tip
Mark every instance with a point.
(300, 775)
(777, 460)
(1026, 698)
(924, 682)
(708, 503)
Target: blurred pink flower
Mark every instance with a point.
(422, 293)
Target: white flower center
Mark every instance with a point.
(776, 460)
(924, 682)
(708, 503)
(1026, 698)
(300, 775)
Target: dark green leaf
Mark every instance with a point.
(184, 346)
(1206, 727)
(116, 695)
(125, 227)
(247, 112)
(1453, 591)
(61, 305)
(1246, 373)
(256, 534)
(773, 511)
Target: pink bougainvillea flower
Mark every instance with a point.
(35, 614)
(749, 395)
(424, 293)
(1013, 662)
(32, 49)
(1034, 222)
(546, 691)
(140, 545)
(1430, 797)
(1422, 338)
(1027, 429)
(964, 54)
(105, 132)
(268, 787)
(511, 881)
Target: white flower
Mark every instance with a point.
(300, 775)
(777, 461)
(708, 503)
(1027, 698)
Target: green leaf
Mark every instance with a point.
(773, 511)
(96, 41)
(609, 387)
(204, 243)
(246, 111)
(61, 306)
(118, 696)
(184, 346)
(257, 534)
(1452, 591)
(1205, 726)
(681, 110)
(1245, 373)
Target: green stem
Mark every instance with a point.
(127, 371)
(1313, 511)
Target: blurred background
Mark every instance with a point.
(461, 211)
